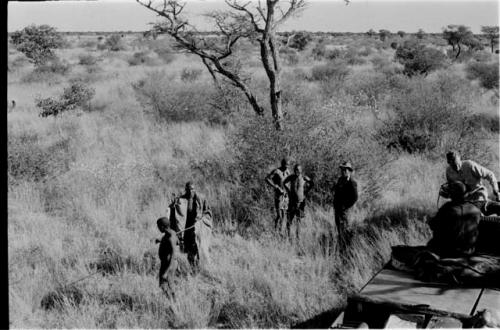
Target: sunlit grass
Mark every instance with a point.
(111, 174)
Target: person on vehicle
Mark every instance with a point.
(276, 180)
(471, 175)
(300, 185)
(167, 253)
(196, 208)
(455, 226)
(346, 195)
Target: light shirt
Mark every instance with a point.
(471, 173)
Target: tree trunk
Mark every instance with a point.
(275, 88)
(458, 53)
(270, 60)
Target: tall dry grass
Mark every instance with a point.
(86, 188)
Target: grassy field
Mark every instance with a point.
(85, 188)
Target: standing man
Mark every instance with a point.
(196, 208)
(299, 187)
(276, 180)
(346, 194)
(471, 174)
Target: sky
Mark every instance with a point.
(320, 15)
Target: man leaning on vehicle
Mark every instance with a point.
(471, 174)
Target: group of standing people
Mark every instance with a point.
(291, 190)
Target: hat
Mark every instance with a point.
(346, 165)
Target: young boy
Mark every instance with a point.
(167, 253)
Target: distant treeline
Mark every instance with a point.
(282, 33)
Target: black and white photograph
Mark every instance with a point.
(243, 164)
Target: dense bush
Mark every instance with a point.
(37, 43)
(319, 139)
(165, 54)
(334, 70)
(190, 75)
(289, 56)
(382, 64)
(16, 62)
(114, 43)
(368, 88)
(139, 58)
(486, 73)
(431, 116)
(87, 59)
(49, 73)
(481, 56)
(76, 95)
(92, 44)
(30, 159)
(168, 100)
(319, 50)
(418, 58)
(299, 40)
(351, 56)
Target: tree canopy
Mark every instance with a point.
(37, 42)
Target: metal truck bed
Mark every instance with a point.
(396, 299)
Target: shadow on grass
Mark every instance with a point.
(322, 320)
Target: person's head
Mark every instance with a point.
(346, 169)
(457, 191)
(297, 169)
(453, 159)
(285, 163)
(163, 224)
(189, 188)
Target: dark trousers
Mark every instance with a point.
(341, 222)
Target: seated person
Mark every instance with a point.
(455, 226)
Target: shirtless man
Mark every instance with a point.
(299, 187)
(275, 179)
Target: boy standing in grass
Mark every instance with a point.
(300, 185)
(167, 253)
(346, 194)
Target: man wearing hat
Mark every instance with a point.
(346, 194)
(471, 175)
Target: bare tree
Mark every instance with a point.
(257, 21)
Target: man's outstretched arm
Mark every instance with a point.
(484, 173)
